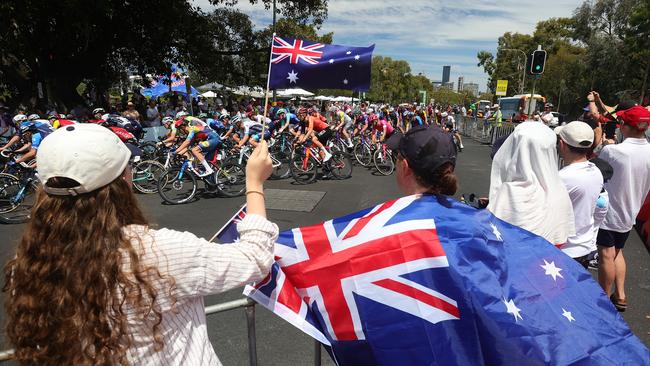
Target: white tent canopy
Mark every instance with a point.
(212, 86)
(322, 97)
(209, 94)
(296, 92)
(255, 92)
(342, 99)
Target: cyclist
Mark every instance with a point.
(17, 121)
(343, 123)
(56, 122)
(315, 128)
(449, 123)
(383, 127)
(360, 124)
(128, 124)
(121, 132)
(287, 121)
(253, 133)
(32, 134)
(207, 141)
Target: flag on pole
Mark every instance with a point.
(228, 233)
(425, 280)
(297, 63)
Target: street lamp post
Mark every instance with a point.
(523, 73)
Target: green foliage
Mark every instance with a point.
(62, 43)
(605, 46)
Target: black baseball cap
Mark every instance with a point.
(624, 105)
(425, 148)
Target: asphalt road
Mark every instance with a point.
(279, 343)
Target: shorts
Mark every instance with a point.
(348, 125)
(210, 145)
(325, 135)
(608, 238)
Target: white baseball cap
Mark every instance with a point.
(87, 153)
(576, 134)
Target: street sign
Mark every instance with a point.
(502, 87)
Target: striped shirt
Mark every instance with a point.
(198, 268)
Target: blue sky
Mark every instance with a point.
(428, 33)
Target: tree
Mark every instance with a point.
(62, 43)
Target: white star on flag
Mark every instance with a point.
(331, 61)
(512, 309)
(552, 270)
(357, 57)
(567, 314)
(293, 77)
(496, 232)
(345, 81)
(349, 52)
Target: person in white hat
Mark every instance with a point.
(584, 183)
(93, 284)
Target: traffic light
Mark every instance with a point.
(538, 60)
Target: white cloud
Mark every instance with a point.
(428, 33)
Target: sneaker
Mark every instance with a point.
(350, 145)
(327, 157)
(206, 173)
(593, 261)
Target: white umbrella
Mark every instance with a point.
(209, 94)
(322, 97)
(296, 92)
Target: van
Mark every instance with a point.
(518, 108)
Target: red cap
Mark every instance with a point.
(637, 117)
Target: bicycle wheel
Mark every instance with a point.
(363, 154)
(9, 188)
(177, 188)
(340, 165)
(384, 162)
(303, 170)
(145, 175)
(283, 170)
(231, 180)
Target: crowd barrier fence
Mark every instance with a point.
(483, 131)
(249, 309)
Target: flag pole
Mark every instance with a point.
(268, 83)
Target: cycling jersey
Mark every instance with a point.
(318, 122)
(123, 134)
(381, 124)
(255, 130)
(42, 130)
(289, 118)
(208, 140)
(62, 122)
(418, 120)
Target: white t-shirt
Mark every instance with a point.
(630, 183)
(583, 182)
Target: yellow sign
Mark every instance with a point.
(502, 87)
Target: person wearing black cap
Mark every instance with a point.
(426, 158)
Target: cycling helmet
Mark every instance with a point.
(348, 111)
(33, 117)
(181, 114)
(235, 119)
(444, 114)
(98, 111)
(370, 110)
(27, 126)
(203, 116)
(19, 118)
(373, 117)
(167, 120)
(224, 116)
(53, 115)
(281, 111)
(302, 110)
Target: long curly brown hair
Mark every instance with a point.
(68, 287)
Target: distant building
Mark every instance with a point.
(461, 81)
(471, 87)
(446, 71)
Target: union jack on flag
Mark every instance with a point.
(425, 280)
(295, 51)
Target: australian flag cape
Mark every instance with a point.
(426, 280)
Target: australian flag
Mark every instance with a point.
(425, 280)
(297, 63)
(228, 233)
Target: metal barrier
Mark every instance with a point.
(249, 308)
(483, 131)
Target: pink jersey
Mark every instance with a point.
(381, 124)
